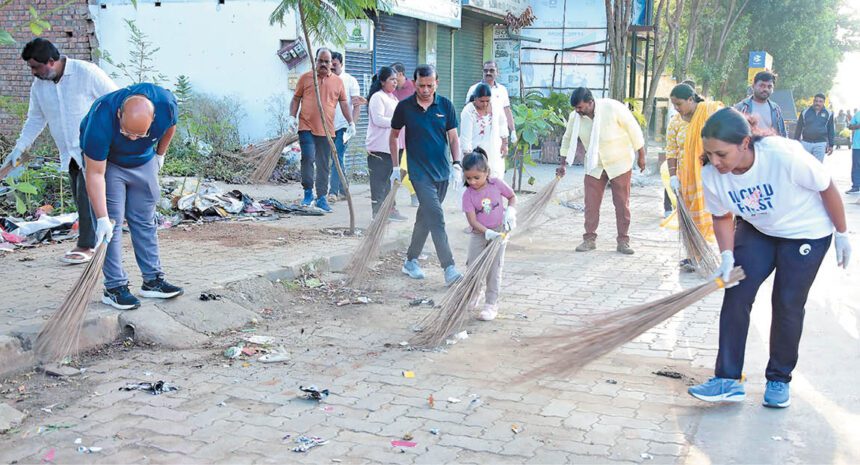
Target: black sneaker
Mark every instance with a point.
(120, 298)
(158, 288)
(853, 191)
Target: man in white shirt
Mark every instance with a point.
(353, 96)
(500, 97)
(62, 93)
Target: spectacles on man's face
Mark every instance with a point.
(489, 70)
(133, 136)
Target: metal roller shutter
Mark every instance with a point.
(360, 66)
(468, 57)
(443, 60)
(396, 40)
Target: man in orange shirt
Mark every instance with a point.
(312, 135)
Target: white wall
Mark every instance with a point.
(227, 49)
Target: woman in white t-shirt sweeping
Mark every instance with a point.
(787, 209)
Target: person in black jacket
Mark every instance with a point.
(815, 128)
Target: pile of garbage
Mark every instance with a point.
(192, 200)
(18, 232)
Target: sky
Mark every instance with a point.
(846, 92)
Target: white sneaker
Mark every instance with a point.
(489, 312)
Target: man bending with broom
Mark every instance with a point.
(610, 134)
(124, 138)
(431, 123)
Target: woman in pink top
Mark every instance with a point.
(380, 108)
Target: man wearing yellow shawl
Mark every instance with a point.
(683, 151)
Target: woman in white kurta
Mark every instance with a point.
(483, 125)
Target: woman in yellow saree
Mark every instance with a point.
(683, 151)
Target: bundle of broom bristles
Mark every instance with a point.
(571, 350)
(265, 156)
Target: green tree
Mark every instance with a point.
(141, 64)
(322, 20)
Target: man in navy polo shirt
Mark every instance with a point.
(124, 138)
(431, 124)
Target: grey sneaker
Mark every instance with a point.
(396, 216)
(586, 245)
(413, 269)
(452, 275)
(624, 247)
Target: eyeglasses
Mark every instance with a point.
(132, 135)
(489, 70)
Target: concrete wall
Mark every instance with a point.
(225, 49)
(71, 32)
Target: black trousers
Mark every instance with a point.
(796, 262)
(86, 218)
(379, 165)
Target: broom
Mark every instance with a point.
(268, 154)
(575, 349)
(5, 170)
(698, 250)
(61, 333)
(464, 295)
(359, 264)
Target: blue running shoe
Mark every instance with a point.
(309, 198)
(452, 275)
(719, 390)
(413, 269)
(776, 395)
(322, 204)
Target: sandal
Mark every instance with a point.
(73, 257)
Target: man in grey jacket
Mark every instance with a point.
(815, 128)
(768, 113)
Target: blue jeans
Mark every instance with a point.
(131, 195)
(430, 219)
(340, 145)
(855, 168)
(796, 262)
(315, 151)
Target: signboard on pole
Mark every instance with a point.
(359, 35)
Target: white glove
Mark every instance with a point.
(675, 183)
(292, 124)
(160, 161)
(490, 234)
(510, 220)
(12, 158)
(843, 249)
(104, 230)
(350, 131)
(395, 174)
(457, 176)
(513, 137)
(727, 262)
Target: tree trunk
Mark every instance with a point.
(664, 48)
(328, 134)
(618, 14)
(696, 7)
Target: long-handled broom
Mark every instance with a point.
(462, 297)
(699, 252)
(572, 350)
(367, 252)
(61, 333)
(6, 169)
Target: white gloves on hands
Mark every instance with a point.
(104, 230)
(350, 131)
(457, 176)
(510, 220)
(513, 137)
(490, 234)
(843, 249)
(395, 174)
(727, 262)
(160, 161)
(675, 183)
(292, 124)
(13, 158)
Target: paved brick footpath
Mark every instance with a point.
(616, 410)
